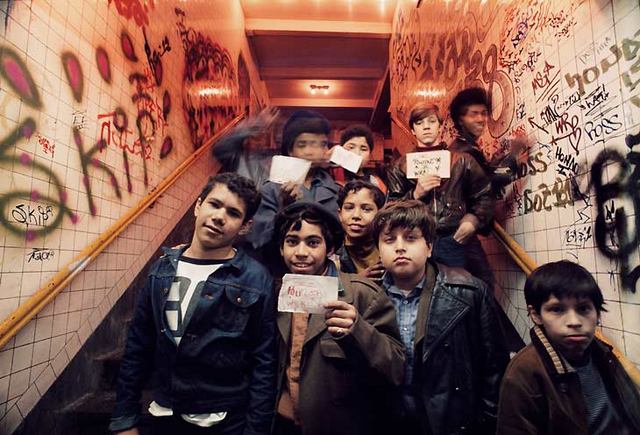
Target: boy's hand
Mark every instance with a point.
(340, 318)
(375, 271)
(132, 431)
(425, 184)
(290, 192)
(465, 231)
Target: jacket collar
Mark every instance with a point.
(237, 262)
(554, 362)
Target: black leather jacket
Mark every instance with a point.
(468, 190)
(460, 353)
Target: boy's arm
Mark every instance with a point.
(136, 364)
(376, 336)
(493, 357)
(262, 384)
(479, 196)
(518, 412)
(263, 221)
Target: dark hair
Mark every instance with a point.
(303, 121)
(463, 100)
(239, 185)
(422, 110)
(561, 279)
(292, 216)
(358, 130)
(409, 213)
(354, 186)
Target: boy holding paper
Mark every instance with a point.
(306, 137)
(358, 139)
(204, 327)
(461, 204)
(334, 367)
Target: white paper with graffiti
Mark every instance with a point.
(429, 163)
(306, 293)
(285, 169)
(347, 159)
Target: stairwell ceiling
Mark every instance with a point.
(339, 43)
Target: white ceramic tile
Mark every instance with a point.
(18, 383)
(22, 357)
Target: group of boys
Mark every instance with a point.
(410, 346)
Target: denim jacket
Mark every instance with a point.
(226, 359)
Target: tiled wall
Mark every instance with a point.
(98, 104)
(566, 75)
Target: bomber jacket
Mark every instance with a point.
(460, 353)
(468, 190)
(541, 392)
(227, 356)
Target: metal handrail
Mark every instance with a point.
(528, 265)
(32, 306)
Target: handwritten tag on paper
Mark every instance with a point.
(348, 160)
(306, 293)
(285, 168)
(429, 162)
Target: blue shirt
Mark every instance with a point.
(406, 314)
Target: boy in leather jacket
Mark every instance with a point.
(204, 326)
(456, 353)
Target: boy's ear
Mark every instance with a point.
(535, 316)
(245, 228)
(196, 209)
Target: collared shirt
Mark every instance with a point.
(406, 314)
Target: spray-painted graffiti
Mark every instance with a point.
(627, 49)
(612, 232)
(16, 74)
(138, 10)
(154, 57)
(210, 84)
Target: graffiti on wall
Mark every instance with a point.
(574, 114)
(210, 98)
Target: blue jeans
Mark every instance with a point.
(469, 256)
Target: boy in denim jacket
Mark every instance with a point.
(205, 327)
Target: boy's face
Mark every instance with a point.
(304, 251)
(426, 129)
(475, 119)
(404, 252)
(310, 146)
(358, 145)
(357, 213)
(569, 323)
(219, 218)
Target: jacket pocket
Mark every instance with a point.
(233, 309)
(339, 377)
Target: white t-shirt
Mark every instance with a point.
(191, 275)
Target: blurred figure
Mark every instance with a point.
(244, 150)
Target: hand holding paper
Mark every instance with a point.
(340, 317)
(285, 168)
(429, 162)
(348, 160)
(307, 293)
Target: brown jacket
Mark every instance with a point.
(541, 394)
(341, 379)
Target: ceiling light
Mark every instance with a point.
(322, 88)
